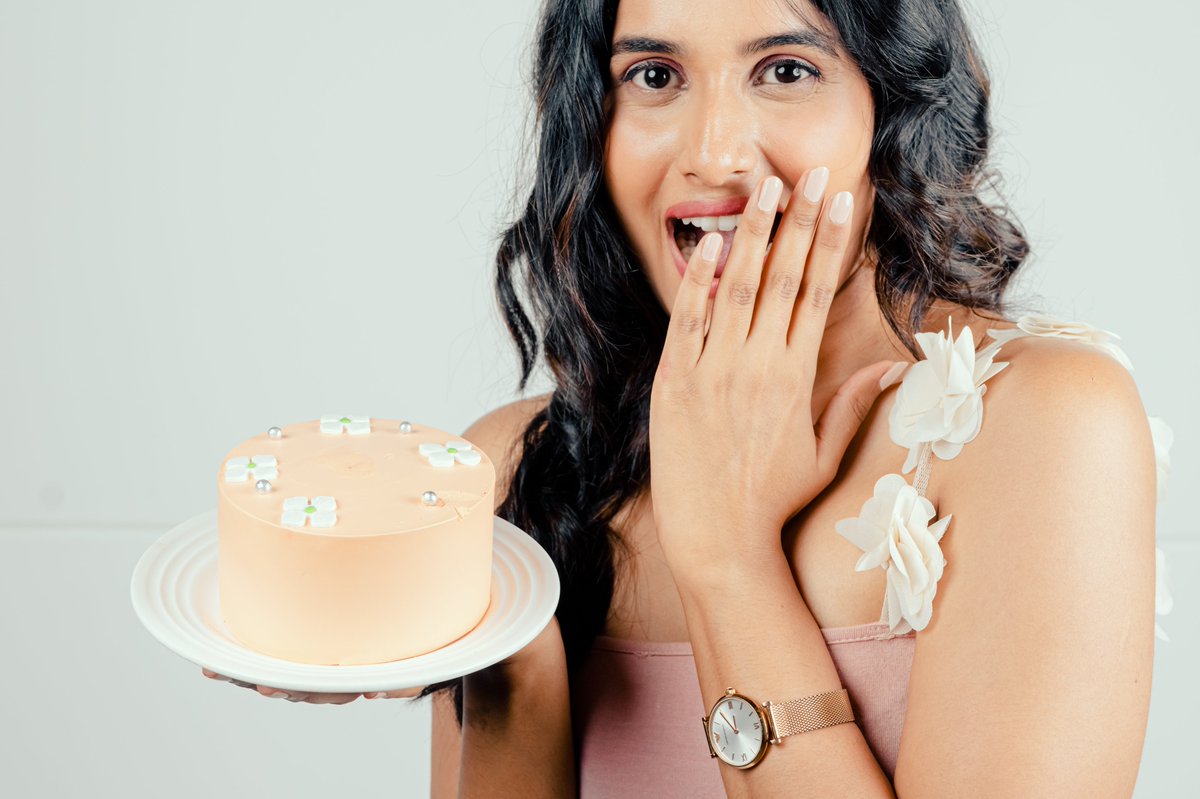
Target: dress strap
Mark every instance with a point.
(924, 464)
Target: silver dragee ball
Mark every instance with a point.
(275, 434)
(429, 498)
(263, 486)
(406, 427)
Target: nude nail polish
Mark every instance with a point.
(768, 198)
(814, 187)
(839, 210)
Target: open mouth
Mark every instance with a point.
(687, 234)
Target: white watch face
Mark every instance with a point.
(736, 731)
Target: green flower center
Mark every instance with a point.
(451, 450)
(251, 465)
(344, 420)
(311, 509)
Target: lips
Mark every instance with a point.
(726, 236)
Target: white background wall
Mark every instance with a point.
(219, 216)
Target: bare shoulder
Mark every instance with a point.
(1057, 398)
(1043, 621)
(499, 432)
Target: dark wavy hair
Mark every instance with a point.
(932, 237)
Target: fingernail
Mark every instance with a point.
(768, 197)
(371, 695)
(814, 187)
(712, 246)
(839, 212)
(278, 695)
(893, 374)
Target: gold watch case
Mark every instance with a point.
(768, 732)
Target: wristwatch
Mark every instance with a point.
(738, 729)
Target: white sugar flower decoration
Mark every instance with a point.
(894, 533)
(321, 511)
(1041, 325)
(940, 400)
(354, 425)
(444, 457)
(256, 467)
(1162, 592)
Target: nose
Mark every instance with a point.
(719, 140)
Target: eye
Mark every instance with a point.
(789, 70)
(656, 75)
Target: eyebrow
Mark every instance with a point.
(803, 37)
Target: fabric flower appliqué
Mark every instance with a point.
(894, 532)
(1163, 438)
(354, 425)
(1042, 325)
(940, 401)
(255, 467)
(444, 457)
(321, 512)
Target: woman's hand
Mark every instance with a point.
(734, 449)
(308, 696)
(546, 648)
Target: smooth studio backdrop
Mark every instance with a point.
(220, 216)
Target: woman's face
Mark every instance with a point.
(705, 105)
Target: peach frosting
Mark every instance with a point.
(392, 578)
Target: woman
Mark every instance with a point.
(717, 473)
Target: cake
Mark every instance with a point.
(351, 540)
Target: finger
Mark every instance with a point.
(844, 414)
(403, 693)
(685, 331)
(212, 675)
(821, 275)
(733, 307)
(786, 263)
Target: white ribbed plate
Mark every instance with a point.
(174, 593)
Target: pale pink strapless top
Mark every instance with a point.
(636, 710)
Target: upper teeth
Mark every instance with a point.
(710, 223)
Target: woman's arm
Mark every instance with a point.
(516, 732)
(516, 736)
(1033, 677)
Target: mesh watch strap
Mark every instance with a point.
(809, 713)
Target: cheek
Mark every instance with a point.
(836, 134)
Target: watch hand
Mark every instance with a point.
(731, 724)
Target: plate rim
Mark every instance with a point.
(535, 614)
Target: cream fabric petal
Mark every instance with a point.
(1163, 602)
(861, 533)
(938, 528)
(1163, 437)
(946, 450)
(914, 563)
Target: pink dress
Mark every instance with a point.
(636, 710)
